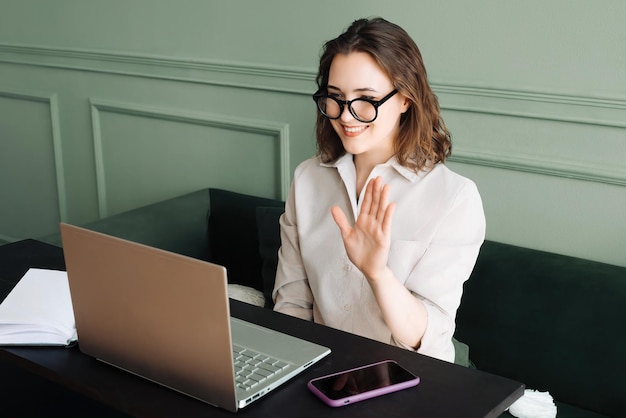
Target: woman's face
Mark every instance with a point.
(357, 75)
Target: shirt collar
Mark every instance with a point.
(405, 172)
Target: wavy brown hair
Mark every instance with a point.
(423, 139)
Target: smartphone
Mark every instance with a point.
(354, 385)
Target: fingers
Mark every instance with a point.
(386, 224)
(341, 220)
(376, 197)
(366, 205)
(383, 202)
(375, 205)
(375, 201)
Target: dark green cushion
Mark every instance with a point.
(567, 411)
(269, 242)
(177, 224)
(233, 238)
(550, 321)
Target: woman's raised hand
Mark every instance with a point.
(368, 242)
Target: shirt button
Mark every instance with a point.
(347, 267)
(347, 307)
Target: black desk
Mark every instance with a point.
(446, 390)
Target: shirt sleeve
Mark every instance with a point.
(292, 294)
(438, 278)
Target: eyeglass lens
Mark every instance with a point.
(361, 109)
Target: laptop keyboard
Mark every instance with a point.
(252, 368)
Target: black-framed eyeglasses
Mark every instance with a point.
(363, 110)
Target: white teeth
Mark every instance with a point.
(354, 130)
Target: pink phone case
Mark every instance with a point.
(409, 380)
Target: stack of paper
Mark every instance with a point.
(38, 311)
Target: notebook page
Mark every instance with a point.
(38, 310)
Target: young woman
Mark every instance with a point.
(378, 235)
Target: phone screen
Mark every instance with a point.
(354, 382)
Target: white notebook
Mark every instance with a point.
(38, 311)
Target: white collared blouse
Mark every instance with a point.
(438, 228)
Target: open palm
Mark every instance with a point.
(367, 243)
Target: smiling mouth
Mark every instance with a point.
(354, 129)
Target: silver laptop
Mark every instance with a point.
(166, 317)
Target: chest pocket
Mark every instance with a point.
(404, 256)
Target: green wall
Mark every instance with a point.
(106, 106)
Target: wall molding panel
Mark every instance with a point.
(594, 111)
(277, 130)
(51, 100)
(609, 112)
(248, 76)
(533, 105)
(543, 166)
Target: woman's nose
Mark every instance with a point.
(346, 115)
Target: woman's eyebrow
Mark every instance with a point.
(359, 90)
(367, 89)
